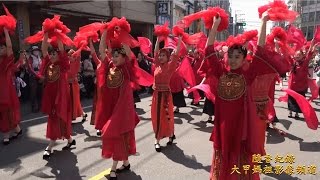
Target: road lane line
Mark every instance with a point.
(101, 175)
(41, 117)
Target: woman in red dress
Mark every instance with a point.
(115, 106)
(97, 62)
(9, 102)
(56, 101)
(298, 78)
(162, 105)
(76, 106)
(234, 134)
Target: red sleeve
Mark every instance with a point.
(266, 61)
(211, 64)
(95, 58)
(43, 66)
(173, 64)
(64, 60)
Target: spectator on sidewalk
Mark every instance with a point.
(88, 75)
(35, 85)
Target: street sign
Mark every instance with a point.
(241, 24)
(163, 8)
(162, 19)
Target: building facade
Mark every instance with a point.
(310, 16)
(30, 15)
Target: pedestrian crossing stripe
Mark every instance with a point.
(101, 175)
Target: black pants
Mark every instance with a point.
(35, 93)
(88, 82)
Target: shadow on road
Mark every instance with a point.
(63, 165)
(309, 146)
(185, 116)
(202, 126)
(273, 137)
(10, 155)
(129, 175)
(177, 155)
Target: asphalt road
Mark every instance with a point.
(188, 159)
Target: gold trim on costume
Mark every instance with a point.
(53, 73)
(115, 78)
(231, 86)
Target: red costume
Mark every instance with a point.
(115, 111)
(298, 80)
(162, 105)
(96, 91)
(74, 88)
(56, 101)
(9, 102)
(235, 134)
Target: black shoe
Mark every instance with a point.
(123, 168)
(98, 132)
(16, 135)
(6, 141)
(46, 154)
(84, 117)
(296, 116)
(68, 146)
(112, 177)
(157, 147)
(177, 111)
(210, 120)
(171, 140)
(290, 116)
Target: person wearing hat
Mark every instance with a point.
(35, 85)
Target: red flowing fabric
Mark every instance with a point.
(145, 45)
(307, 110)
(9, 102)
(278, 11)
(295, 36)
(172, 44)
(56, 30)
(185, 70)
(314, 89)
(85, 32)
(8, 21)
(196, 38)
(206, 89)
(144, 78)
(162, 31)
(207, 16)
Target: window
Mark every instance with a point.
(304, 30)
(311, 16)
(305, 17)
(304, 3)
(310, 32)
(311, 2)
(318, 16)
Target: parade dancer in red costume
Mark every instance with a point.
(162, 105)
(177, 86)
(56, 101)
(9, 102)
(115, 106)
(76, 106)
(97, 61)
(234, 134)
(298, 78)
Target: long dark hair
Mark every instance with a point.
(243, 50)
